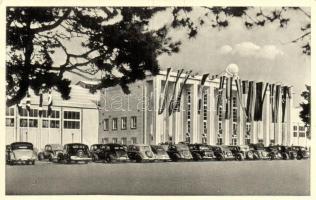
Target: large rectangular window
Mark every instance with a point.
(124, 140)
(134, 140)
(301, 134)
(114, 140)
(28, 123)
(106, 124)
(133, 122)
(105, 140)
(9, 111)
(9, 122)
(124, 123)
(71, 119)
(114, 124)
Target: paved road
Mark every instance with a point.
(183, 178)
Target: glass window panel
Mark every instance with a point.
(9, 122)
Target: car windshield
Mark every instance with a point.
(225, 148)
(118, 148)
(182, 147)
(22, 146)
(144, 148)
(78, 146)
(204, 148)
(56, 147)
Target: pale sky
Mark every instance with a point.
(262, 54)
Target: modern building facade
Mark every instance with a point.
(135, 118)
(73, 120)
(299, 131)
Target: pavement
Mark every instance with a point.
(278, 177)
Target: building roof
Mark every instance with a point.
(88, 82)
(79, 97)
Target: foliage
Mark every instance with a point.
(305, 113)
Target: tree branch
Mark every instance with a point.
(54, 25)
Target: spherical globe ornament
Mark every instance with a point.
(232, 69)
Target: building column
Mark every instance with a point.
(241, 124)
(254, 132)
(278, 124)
(289, 119)
(266, 120)
(157, 119)
(195, 116)
(211, 138)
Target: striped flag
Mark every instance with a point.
(50, 103)
(272, 91)
(250, 101)
(284, 93)
(163, 95)
(171, 103)
(40, 109)
(178, 102)
(261, 89)
(244, 92)
(228, 97)
(220, 93)
(28, 102)
(276, 103)
(204, 77)
(289, 92)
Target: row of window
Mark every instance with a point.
(115, 140)
(133, 123)
(35, 113)
(33, 123)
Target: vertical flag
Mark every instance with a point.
(250, 101)
(220, 93)
(272, 91)
(284, 93)
(163, 95)
(228, 97)
(244, 93)
(276, 103)
(20, 109)
(204, 77)
(50, 103)
(261, 89)
(28, 102)
(289, 92)
(178, 102)
(40, 110)
(171, 103)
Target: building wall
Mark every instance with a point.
(115, 104)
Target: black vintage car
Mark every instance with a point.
(50, 152)
(97, 152)
(286, 152)
(178, 152)
(115, 152)
(74, 152)
(301, 152)
(222, 152)
(241, 152)
(201, 152)
(260, 152)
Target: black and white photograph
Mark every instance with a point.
(148, 100)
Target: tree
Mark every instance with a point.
(116, 41)
(305, 113)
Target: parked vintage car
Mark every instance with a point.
(241, 152)
(140, 153)
(97, 152)
(301, 152)
(274, 152)
(20, 153)
(178, 152)
(222, 152)
(50, 152)
(286, 152)
(259, 152)
(115, 152)
(74, 152)
(201, 152)
(160, 153)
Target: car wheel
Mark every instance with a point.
(240, 157)
(33, 162)
(285, 156)
(272, 156)
(138, 160)
(41, 156)
(108, 159)
(176, 157)
(95, 157)
(256, 156)
(197, 157)
(250, 155)
(299, 157)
